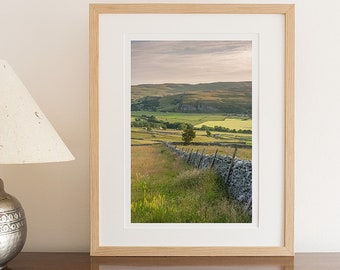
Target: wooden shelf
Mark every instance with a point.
(83, 261)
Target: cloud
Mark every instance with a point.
(190, 61)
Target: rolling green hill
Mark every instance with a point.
(219, 97)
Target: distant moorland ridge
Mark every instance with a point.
(217, 97)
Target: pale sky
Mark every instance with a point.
(193, 62)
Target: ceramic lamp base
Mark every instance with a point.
(13, 229)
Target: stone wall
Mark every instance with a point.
(236, 174)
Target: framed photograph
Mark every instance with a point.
(192, 129)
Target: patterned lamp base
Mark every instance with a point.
(13, 228)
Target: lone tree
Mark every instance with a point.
(188, 135)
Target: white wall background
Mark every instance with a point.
(46, 42)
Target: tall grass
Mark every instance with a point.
(176, 193)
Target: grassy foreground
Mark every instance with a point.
(164, 189)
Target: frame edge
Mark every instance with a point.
(288, 10)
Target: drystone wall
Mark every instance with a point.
(236, 174)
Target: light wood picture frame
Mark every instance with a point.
(100, 206)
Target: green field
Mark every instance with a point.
(189, 118)
(138, 135)
(231, 123)
(199, 119)
(141, 136)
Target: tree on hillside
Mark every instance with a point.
(188, 135)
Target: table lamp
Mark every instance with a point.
(26, 136)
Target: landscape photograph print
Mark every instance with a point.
(191, 131)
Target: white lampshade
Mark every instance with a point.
(26, 135)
